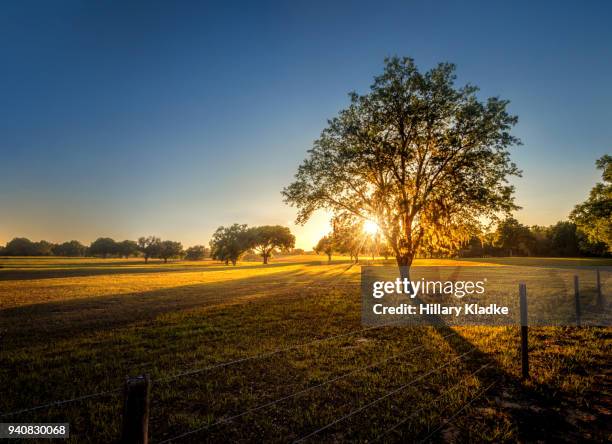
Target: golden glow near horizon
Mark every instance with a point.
(309, 234)
(370, 227)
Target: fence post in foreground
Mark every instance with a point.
(524, 331)
(135, 428)
(577, 297)
(599, 296)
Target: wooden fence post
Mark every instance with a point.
(577, 298)
(599, 295)
(524, 330)
(135, 429)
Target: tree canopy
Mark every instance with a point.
(71, 248)
(325, 245)
(127, 248)
(265, 239)
(149, 246)
(228, 244)
(195, 253)
(424, 159)
(169, 249)
(103, 246)
(594, 216)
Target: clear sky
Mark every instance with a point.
(126, 118)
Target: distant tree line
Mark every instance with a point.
(511, 238)
(105, 247)
(587, 233)
(228, 244)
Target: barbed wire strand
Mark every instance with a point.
(273, 352)
(61, 402)
(118, 390)
(270, 353)
(376, 401)
(466, 405)
(300, 392)
(436, 399)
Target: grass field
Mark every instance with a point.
(71, 327)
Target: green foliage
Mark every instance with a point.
(513, 237)
(195, 253)
(349, 237)
(422, 158)
(71, 248)
(170, 249)
(127, 248)
(325, 245)
(104, 247)
(265, 239)
(228, 244)
(149, 246)
(594, 216)
(21, 246)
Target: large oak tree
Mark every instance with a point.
(424, 159)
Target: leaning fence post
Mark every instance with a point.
(135, 429)
(599, 296)
(524, 330)
(577, 298)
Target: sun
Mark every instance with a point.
(370, 227)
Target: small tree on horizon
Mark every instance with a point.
(103, 246)
(514, 238)
(325, 245)
(71, 248)
(228, 244)
(127, 248)
(195, 253)
(265, 239)
(149, 247)
(169, 249)
(349, 237)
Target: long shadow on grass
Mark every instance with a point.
(37, 273)
(54, 320)
(59, 319)
(545, 425)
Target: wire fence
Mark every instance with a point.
(377, 400)
(62, 402)
(444, 394)
(300, 392)
(118, 390)
(269, 404)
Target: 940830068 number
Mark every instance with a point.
(23, 430)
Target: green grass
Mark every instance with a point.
(69, 327)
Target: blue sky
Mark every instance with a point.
(131, 118)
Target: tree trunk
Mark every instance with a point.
(265, 258)
(165, 260)
(329, 257)
(146, 259)
(234, 262)
(403, 263)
